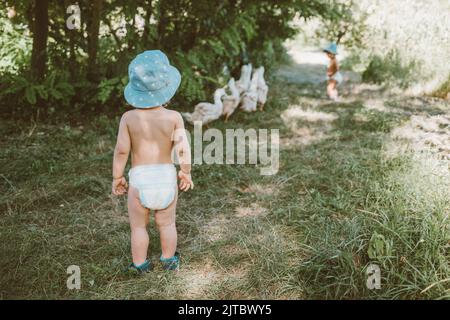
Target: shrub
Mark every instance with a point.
(15, 47)
(417, 30)
(55, 90)
(201, 38)
(110, 89)
(444, 90)
(391, 69)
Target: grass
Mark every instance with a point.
(341, 201)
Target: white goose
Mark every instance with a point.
(249, 100)
(262, 88)
(243, 83)
(207, 112)
(230, 102)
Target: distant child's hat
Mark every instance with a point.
(152, 80)
(331, 48)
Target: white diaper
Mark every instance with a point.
(338, 77)
(156, 183)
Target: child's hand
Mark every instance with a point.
(119, 186)
(185, 181)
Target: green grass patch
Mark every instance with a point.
(337, 205)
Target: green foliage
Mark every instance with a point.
(444, 90)
(417, 29)
(379, 247)
(109, 89)
(55, 90)
(391, 69)
(345, 24)
(202, 38)
(15, 47)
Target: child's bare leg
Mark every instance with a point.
(165, 221)
(139, 217)
(335, 91)
(332, 89)
(329, 89)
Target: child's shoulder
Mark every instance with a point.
(174, 115)
(175, 118)
(127, 115)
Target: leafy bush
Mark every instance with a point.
(15, 47)
(345, 24)
(201, 38)
(110, 89)
(416, 29)
(391, 69)
(55, 90)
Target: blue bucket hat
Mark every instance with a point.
(152, 80)
(331, 48)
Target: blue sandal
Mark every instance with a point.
(171, 263)
(145, 267)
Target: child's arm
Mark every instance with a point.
(183, 150)
(121, 153)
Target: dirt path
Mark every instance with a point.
(309, 66)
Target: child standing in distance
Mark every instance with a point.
(334, 77)
(149, 132)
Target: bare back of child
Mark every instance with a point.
(151, 134)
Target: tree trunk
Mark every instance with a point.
(40, 35)
(93, 33)
(72, 44)
(163, 21)
(148, 15)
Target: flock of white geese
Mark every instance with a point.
(249, 92)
